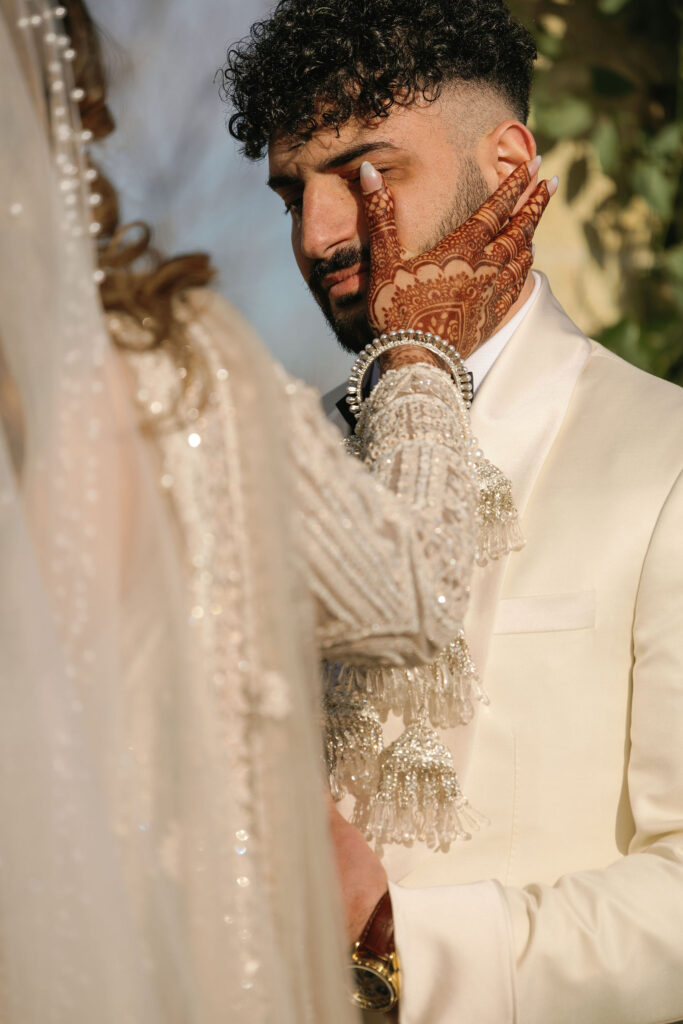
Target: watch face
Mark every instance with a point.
(371, 990)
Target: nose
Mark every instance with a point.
(329, 218)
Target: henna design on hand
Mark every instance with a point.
(465, 286)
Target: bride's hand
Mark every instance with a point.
(463, 288)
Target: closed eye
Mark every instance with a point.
(354, 175)
(351, 177)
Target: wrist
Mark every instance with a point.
(407, 355)
(374, 962)
(366, 904)
(416, 342)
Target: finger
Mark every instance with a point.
(494, 213)
(533, 182)
(523, 225)
(378, 204)
(518, 234)
(511, 282)
(506, 246)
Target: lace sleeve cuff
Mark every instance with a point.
(422, 403)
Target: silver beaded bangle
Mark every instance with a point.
(397, 339)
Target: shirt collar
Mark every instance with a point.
(481, 361)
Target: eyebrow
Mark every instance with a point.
(352, 153)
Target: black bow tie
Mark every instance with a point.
(346, 413)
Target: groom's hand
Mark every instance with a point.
(362, 878)
(465, 286)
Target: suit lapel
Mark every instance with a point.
(516, 416)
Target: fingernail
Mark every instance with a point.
(552, 185)
(370, 179)
(534, 164)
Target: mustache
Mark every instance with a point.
(342, 259)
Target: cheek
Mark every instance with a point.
(415, 214)
(422, 208)
(295, 236)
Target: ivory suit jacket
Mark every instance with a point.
(568, 909)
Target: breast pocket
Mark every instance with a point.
(546, 613)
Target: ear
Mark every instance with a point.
(514, 145)
(502, 150)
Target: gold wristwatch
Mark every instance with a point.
(374, 962)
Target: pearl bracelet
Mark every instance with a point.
(397, 339)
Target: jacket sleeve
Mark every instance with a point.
(600, 946)
(388, 541)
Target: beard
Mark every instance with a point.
(349, 317)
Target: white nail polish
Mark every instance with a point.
(370, 178)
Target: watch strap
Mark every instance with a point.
(377, 938)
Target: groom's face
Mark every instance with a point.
(435, 180)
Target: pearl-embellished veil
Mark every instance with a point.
(163, 855)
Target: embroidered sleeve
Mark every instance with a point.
(389, 552)
(390, 549)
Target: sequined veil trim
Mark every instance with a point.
(409, 790)
(185, 424)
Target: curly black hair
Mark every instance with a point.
(317, 63)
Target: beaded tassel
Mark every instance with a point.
(455, 685)
(499, 529)
(391, 785)
(418, 796)
(353, 743)
(448, 687)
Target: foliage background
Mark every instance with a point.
(609, 77)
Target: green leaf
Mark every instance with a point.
(606, 141)
(610, 83)
(626, 339)
(611, 6)
(677, 301)
(576, 178)
(655, 186)
(548, 45)
(594, 243)
(672, 259)
(668, 142)
(564, 118)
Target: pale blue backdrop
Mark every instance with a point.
(176, 166)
